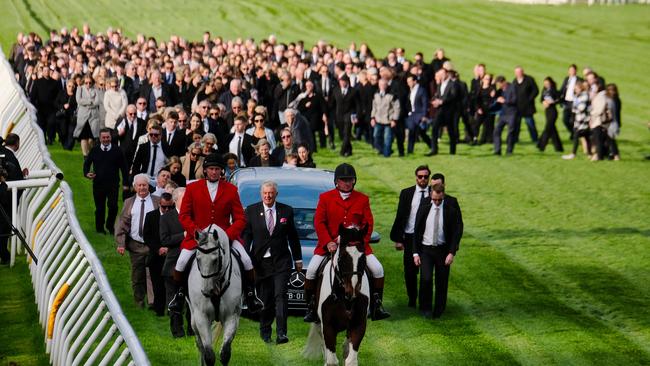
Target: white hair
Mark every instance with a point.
(269, 183)
(178, 193)
(142, 176)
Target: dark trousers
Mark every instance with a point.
(433, 260)
(567, 117)
(5, 255)
(444, 120)
(51, 129)
(155, 265)
(530, 123)
(410, 270)
(272, 290)
(510, 139)
(487, 121)
(599, 136)
(176, 319)
(346, 137)
(105, 196)
(576, 140)
(138, 253)
(550, 131)
(400, 133)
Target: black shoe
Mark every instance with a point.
(411, 304)
(282, 339)
(378, 312)
(266, 338)
(176, 304)
(311, 316)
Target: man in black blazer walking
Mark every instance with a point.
(401, 233)
(447, 104)
(438, 230)
(157, 252)
(128, 131)
(107, 162)
(173, 138)
(271, 237)
(345, 101)
(149, 157)
(171, 236)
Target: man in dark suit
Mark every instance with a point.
(157, 252)
(150, 157)
(152, 91)
(43, 96)
(171, 236)
(567, 95)
(173, 138)
(107, 162)
(507, 116)
(345, 101)
(438, 230)
(526, 91)
(447, 104)
(128, 131)
(271, 236)
(401, 233)
(416, 110)
(13, 172)
(240, 143)
(325, 86)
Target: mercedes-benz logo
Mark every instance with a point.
(297, 279)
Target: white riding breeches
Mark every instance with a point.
(186, 254)
(375, 268)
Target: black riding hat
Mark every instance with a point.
(344, 171)
(214, 159)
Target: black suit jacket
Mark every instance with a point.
(146, 92)
(526, 93)
(565, 84)
(449, 99)
(141, 159)
(128, 143)
(284, 237)
(171, 236)
(177, 146)
(247, 149)
(345, 105)
(452, 223)
(402, 216)
(151, 236)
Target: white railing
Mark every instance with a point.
(81, 318)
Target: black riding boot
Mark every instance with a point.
(377, 308)
(176, 304)
(253, 302)
(311, 315)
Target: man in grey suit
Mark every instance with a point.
(171, 236)
(129, 234)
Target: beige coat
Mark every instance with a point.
(115, 103)
(385, 109)
(198, 168)
(598, 109)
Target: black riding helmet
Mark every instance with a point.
(214, 159)
(344, 171)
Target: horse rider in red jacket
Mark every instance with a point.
(343, 205)
(213, 201)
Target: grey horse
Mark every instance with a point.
(215, 294)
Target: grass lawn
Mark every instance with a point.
(554, 263)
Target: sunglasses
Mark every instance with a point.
(154, 134)
(214, 114)
(423, 176)
(259, 119)
(131, 114)
(182, 120)
(286, 137)
(166, 207)
(141, 103)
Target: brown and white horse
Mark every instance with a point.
(342, 301)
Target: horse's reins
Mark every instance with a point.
(226, 283)
(338, 274)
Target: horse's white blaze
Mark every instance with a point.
(352, 359)
(355, 254)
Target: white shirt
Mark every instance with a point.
(345, 195)
(212, 188)
(170, 135)
(415, 204)
(157, 91)
(206, 125)
(142, 114)
(135, 216)
(274, 213)
(414, 92)
(570, 92)
(133, 125)
(443, 86)
(106, 147)
(233, 146)
(427, 238)
(159, 191)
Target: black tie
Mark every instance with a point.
(105, 148)
(422, 197)
(169, 138)
(239, 151)
(141, 221)
(153, 160)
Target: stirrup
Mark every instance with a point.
(378, 312)
(311, 316)
(253, 302)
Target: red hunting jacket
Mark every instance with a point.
(332, 210)
(198, 211)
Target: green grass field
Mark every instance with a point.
(554, 263)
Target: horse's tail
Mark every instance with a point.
(217, 328)
(314, 345)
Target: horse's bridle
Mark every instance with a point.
(338, 274)
(226, 283)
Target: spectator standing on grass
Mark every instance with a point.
(115, 103)
(484, 115)
(615, 127)
(549, 99)
(526, 90)
(507, 116)
(66, 103)
(150, 157)
(600, 116)
(446, 101)
(346, 104)
(567, 96)
(383, 118)
(107, 163)
(43, 96)
(129, 234)
(580, 111)
(88, 101)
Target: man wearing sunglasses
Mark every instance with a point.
(401, 233)
(150, 157)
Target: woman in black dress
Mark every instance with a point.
(550, 97)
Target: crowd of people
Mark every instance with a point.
(234, 93)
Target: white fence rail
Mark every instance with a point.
(80, 316)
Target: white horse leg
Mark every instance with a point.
(330, 358)
(230, 326)
(352, 359)
(203, 330)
